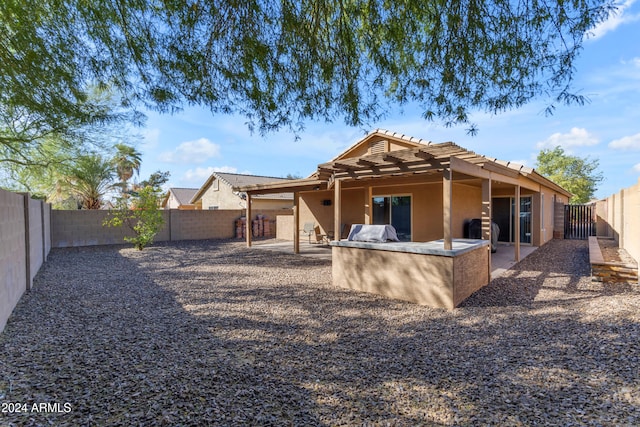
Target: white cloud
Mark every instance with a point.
(626, 143)
(637, 168)
(635, 62)
(616, 19)
(577, 137)
(193, 152)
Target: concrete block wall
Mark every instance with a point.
(284, 227)
(200, 224)
(84, 227)
(36, 237)
(618, 216)
(24, 246)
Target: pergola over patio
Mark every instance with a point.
(446, 162)
(440, 266)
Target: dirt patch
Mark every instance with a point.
(612, 253)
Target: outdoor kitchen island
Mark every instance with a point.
(420, 272)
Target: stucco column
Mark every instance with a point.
(248, 222)
(447, 193)
(368, 196)
(296, 222)
(486, 217)
(337, 208)
(516, 225)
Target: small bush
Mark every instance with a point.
(138, 211)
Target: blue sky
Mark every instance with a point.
(193, 143)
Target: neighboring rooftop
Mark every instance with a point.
(237, 180)
(183, 195)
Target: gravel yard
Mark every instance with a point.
(211, 333)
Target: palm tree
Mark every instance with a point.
(89, 179)
(127, 161)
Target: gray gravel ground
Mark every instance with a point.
(210, 333)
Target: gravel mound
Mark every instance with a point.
(212, 333)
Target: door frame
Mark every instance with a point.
(511, 218)
(411, 204)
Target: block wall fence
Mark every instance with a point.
(84, 227)
(618, 216)
(29, 229)
(25, 242)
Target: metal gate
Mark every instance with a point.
(579, 221)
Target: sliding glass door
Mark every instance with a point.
(394, 210)
(504, 209)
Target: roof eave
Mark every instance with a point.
(290, 186)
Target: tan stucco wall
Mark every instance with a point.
(223, 198)
(426, 215)
(172, 202)
(284, 227)
(471, 272)
(619, 217)
(312, 210)
(271, 204)
(435, 281)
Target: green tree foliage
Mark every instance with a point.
(140, 212)
(577, 175)
(127, 160)
(279, 63)
(156, 180)
(38, 161)
(89, 179)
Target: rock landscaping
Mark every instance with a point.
(212, 333)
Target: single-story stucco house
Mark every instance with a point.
(428, 192)
(222, 190)
(179, 198)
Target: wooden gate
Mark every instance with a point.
(579, 221)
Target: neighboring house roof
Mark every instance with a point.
(236, 181)
(182, 195)
(421, 156)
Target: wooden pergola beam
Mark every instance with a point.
(423, 155)
(366, 162)
(407, 168)
(389, 157)
(343, 166)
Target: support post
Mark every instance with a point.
(447, 193)
(486, 217)
(516, 225)
(296, 222)
(368, 197)
(337, 208)
(248, 222)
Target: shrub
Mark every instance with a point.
(139, 211)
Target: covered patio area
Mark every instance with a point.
(429, 193)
